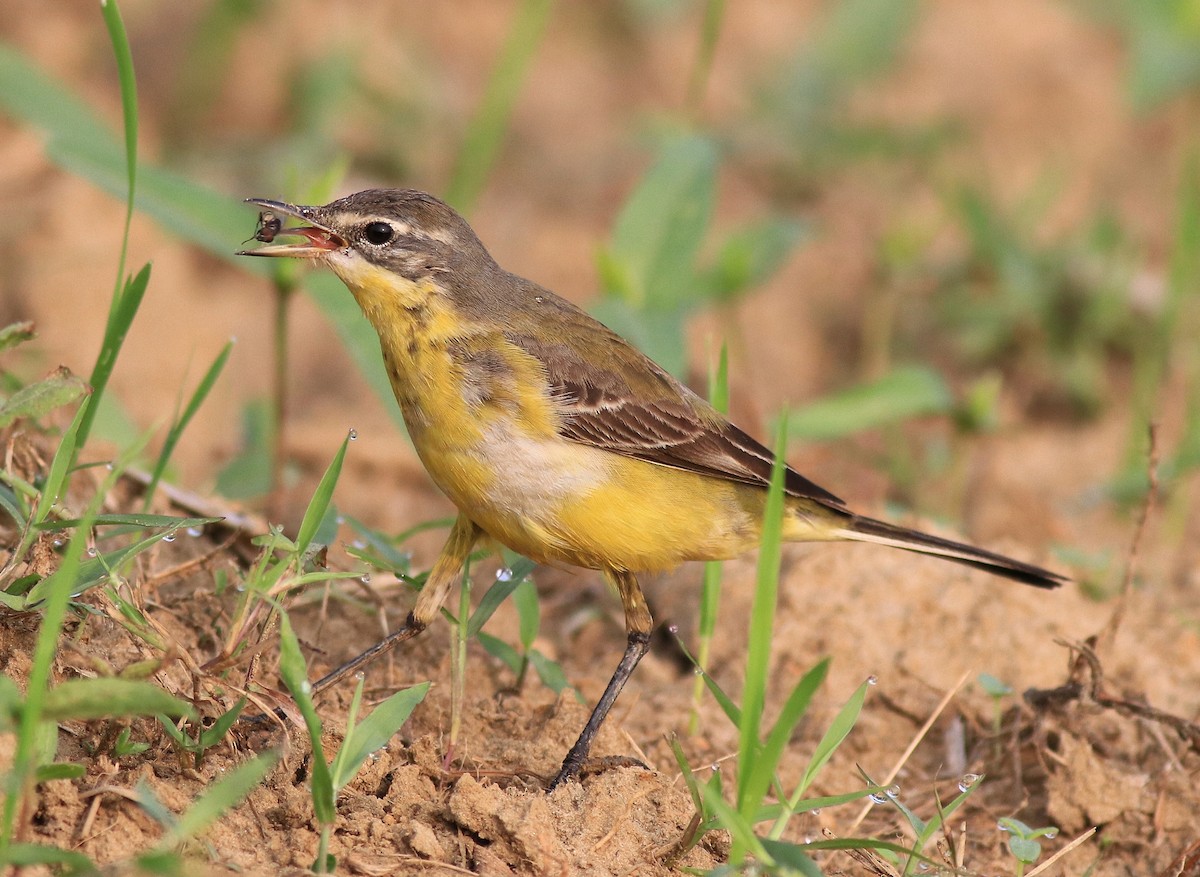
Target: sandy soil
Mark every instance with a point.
(1034, 88)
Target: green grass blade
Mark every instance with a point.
(295, 677)
(29, 855)
(529, 615)
(129, 112)
(131, 520)
(710, 29)
(498, 593)
(740, 829)
(841, 725)
(762, 771)
(710, 590)
(762, 621)
(40, 398)
(732, 711)
(120, 317)
(225, 793)
(176, 431)
(374, 731)
(501, 651)
(213, 734)
(60, 468)
(486, 131)
(650, 262)
(84, 699)
(321, 498)
(905, 393)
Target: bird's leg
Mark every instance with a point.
(638, 623)
(441, 578)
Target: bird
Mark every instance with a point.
(552, 434)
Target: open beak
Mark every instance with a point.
(319, 240)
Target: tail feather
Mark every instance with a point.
(861, 529)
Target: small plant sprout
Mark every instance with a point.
(1023, 841)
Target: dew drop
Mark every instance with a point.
(872, 679)
(539, 299)
(340, 519)
(169, 537)
(699, 671)
(816, 811)
(504, 574)
(58, 543)
(715, 767)
(892, 791)
(360, 676)
(359, 544)
(672, 629)
(922, 866)
(195, 531)
(91, 552)
(877, 798)
(1050, 833)
(1003, 826)
(108, 466)
(968, 781)
(354, 435)
(306, 687)
(365, 578)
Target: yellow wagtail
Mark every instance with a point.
(550, 433)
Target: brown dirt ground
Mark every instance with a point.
(1036, 86)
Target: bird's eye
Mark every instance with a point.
(378, 232)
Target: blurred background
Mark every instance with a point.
(958, 244)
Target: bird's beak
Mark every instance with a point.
(319, 240)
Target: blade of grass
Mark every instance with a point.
(295, 677)
(217, 798)
(710, 591)
(762, 771)
(120, 316)
(321, 499)
(85, 699)
(373, 732)
(129, 112)
(498, 593)
(176, 431)
(710, 29)
(486, 130)
(762, 621)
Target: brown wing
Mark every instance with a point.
(612, 396)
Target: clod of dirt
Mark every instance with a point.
(520, 825)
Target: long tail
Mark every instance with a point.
(862, 529)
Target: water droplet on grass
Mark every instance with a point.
(504, 574)
(872, 679)
(169, 537)
(354, 435)
(195, 531)
(365, 578)
(968, 781)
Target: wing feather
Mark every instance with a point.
(620, 400)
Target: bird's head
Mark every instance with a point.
(378, 241)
